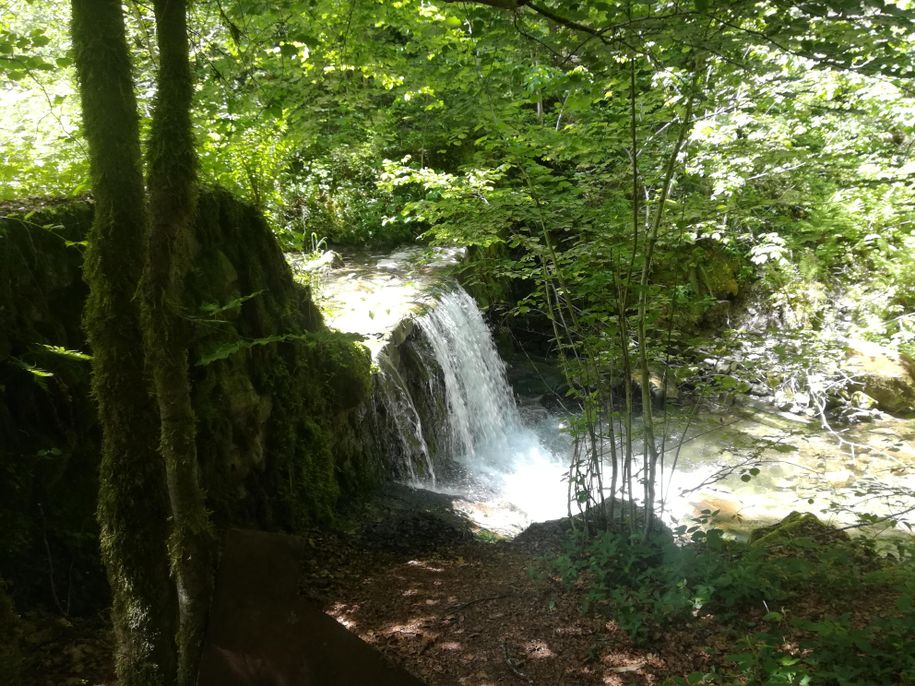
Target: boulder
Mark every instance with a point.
(797, 525)
(881, 374)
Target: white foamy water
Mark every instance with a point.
(507, 468)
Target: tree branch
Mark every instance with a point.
(499, 4)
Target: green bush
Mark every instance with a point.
(647, 585)
(833, 649)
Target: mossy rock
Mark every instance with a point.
(713, 272)
(347, 368)
(796, 527)
(883, 374)
(49, 439)
(275, 433)
(714, 278)
(274, 438)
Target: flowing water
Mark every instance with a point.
(482, 415)
(452, 423)
(508, 471)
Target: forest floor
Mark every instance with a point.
(471, 614)
(478, 614)
(453, 607)
(456, 609)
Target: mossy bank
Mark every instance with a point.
(277, 395)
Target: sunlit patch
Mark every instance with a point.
(619, 667)
(450, 645)
(372, 295)
(410, 628)
(573, 630)
(343, 613)
(627, 667)
(422, 564)
(538, 649)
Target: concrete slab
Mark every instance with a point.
(264, 632)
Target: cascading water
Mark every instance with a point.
(407, 425)
(481, 429)
(482, 414)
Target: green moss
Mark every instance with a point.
(711, 272)
(279, 441)
(284, 433)
(49, 439)
(718, 278)
(707, 278)
(346, 366)
(795, 526)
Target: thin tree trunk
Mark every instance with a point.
(173, 198)
(651, 240)
(133, 506)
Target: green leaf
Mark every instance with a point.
(65, 352)
(213, 309)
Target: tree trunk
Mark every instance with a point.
(172, 199)
(133, 505)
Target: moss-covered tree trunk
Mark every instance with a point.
(133, 505)
(172, 201)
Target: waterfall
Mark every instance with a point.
(453, 417)
(482, 414)
(407, 425)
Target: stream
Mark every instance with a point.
(454, 424)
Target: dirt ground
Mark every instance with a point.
(477, 615)
(460, 610)
(411, 579)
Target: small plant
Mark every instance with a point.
(316, 245)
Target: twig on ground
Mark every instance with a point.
(511, 665)
(483, 599)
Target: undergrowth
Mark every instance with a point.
(815, 609)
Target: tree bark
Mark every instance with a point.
(172, 202)
(133, 505)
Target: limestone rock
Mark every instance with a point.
(326, 260)
(881, 374)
